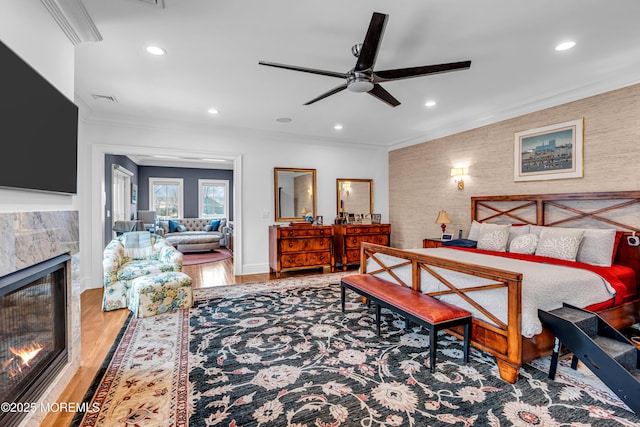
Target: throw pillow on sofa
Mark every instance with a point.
(173, 226)
(207, 227)
(215, 224)
(181, 228)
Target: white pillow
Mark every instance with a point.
(524, 244)
(474, 232)
(597, 247)
(561, 243)
(493, 237)
(536, 229)
(516, 231)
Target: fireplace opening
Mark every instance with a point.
(33, 332)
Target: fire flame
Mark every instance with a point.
(27, 353)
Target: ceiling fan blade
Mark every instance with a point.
(371, 43)
(380, 93)
(304, 69)
(324, 95)
(407, 73)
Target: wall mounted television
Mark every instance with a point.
(38, 130)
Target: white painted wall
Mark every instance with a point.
(256, 155)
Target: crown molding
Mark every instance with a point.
(74, 20)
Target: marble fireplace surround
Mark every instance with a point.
(28, 238)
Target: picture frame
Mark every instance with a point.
(376, 218)
(134, 193)
(549, 152)
(446, 237)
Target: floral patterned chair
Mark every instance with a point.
(134, 255)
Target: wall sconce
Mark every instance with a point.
(346, 187)
(458, 173)
(443, 220)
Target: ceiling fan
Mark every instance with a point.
(363, 78)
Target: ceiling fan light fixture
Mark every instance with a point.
(360, 86)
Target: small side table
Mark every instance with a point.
(431, 242)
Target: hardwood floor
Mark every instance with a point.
(99, 329)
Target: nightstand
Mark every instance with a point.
(432, 242)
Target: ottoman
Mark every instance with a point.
(160, 293)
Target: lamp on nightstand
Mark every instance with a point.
(443, 220)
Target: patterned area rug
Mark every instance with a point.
(282, 353)
(192, 258)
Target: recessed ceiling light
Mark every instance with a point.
(338, 127)
(212, 111)
(283, 120)
(565, 45)
(155, 50)
(430, 104)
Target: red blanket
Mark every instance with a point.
(621, 278)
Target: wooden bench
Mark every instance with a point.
(427, 311)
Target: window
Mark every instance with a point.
(166, 197)
(213, 198)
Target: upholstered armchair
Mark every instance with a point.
(130, 256)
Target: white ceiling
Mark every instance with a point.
(214, 47)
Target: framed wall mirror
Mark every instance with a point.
(355, 196)
(295, 193)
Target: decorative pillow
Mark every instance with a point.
(561, 243)
(207, 227)
(524, 244)
(182, 228)
(165, 226)
(215, 224)
(494, 237)
(474, 232)
(597, 247)
(515, 231)
(173, 226)
(536, 229)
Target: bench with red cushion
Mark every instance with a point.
(427, 311)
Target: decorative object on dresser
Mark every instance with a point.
(347, 239)
(300, 246)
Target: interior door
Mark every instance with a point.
(120, 195)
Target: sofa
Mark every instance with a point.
(134, 255)
(195, 234)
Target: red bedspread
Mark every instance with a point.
(621, 278)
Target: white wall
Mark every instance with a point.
(256, 155)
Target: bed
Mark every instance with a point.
(503, 290)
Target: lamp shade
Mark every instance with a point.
(443, 218)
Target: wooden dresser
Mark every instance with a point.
(347, 239)
(299, 247)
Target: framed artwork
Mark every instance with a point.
(446, 237)
(134, 193)
(376, 218)
(550, 152)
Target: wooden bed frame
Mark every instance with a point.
(617, 210)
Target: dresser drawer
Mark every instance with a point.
(315, 231)
(305, 259)
(305, 244)
(368, 229)
(354, 241)
(353, 256)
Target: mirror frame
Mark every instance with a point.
(339, 181)
(276, 171)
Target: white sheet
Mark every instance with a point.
(544, 286)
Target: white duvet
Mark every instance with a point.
(544, 286)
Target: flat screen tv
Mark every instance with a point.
(38, 130)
